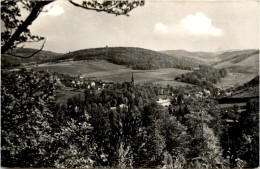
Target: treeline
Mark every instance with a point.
(203, 76)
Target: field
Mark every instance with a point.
(107, 71)
(235, 79)
(64, 93)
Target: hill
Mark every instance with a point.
(206, 58)
(41, 57)
(136, 58)
(236, 54)
(245, 61)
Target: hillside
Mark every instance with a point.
(136, 58)
(41, 57)
(196, 57)
(246, 61)
(236, 54)
(249, 89)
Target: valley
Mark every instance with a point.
(109, 72)
(126, 96)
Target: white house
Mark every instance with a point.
(207, 92)
(92, 84)
(123, 106)
(164, 102)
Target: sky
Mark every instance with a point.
(159, 25)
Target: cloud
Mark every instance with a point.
(53, 10)
(198, 24)
(160, 28)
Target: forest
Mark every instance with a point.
(120, 127)
(203, 76)
(136, 58)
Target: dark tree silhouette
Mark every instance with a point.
(16, 30)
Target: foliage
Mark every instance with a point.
(120, 126)
(240, 138)
(203, 76)
(11, 17)
(32, 134)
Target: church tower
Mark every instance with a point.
(133, 80)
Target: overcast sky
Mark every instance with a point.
(193, 26)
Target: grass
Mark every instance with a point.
(235, 79)
(65, 93)
(107, 71)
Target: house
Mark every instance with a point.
(199, 94)
(164, 102)
(92, 84)
(186, 96)
(123, 106)
(206, 92)
(112, 108)
(82, 76)
(228, 94)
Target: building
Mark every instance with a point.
(164, 102)
(133, 80)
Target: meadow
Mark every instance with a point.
(234, 79)
(109, 72)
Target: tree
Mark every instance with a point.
(204, 145)
(16, 30)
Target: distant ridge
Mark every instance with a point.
(243, 61)
(139, 58)
(197, 57)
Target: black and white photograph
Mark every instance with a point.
(167, 84)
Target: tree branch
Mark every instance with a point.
(107, 9)
(85, 7)
(28, 55)
(32, 16)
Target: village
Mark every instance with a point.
(166, 95)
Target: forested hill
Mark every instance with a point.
(137, 58)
